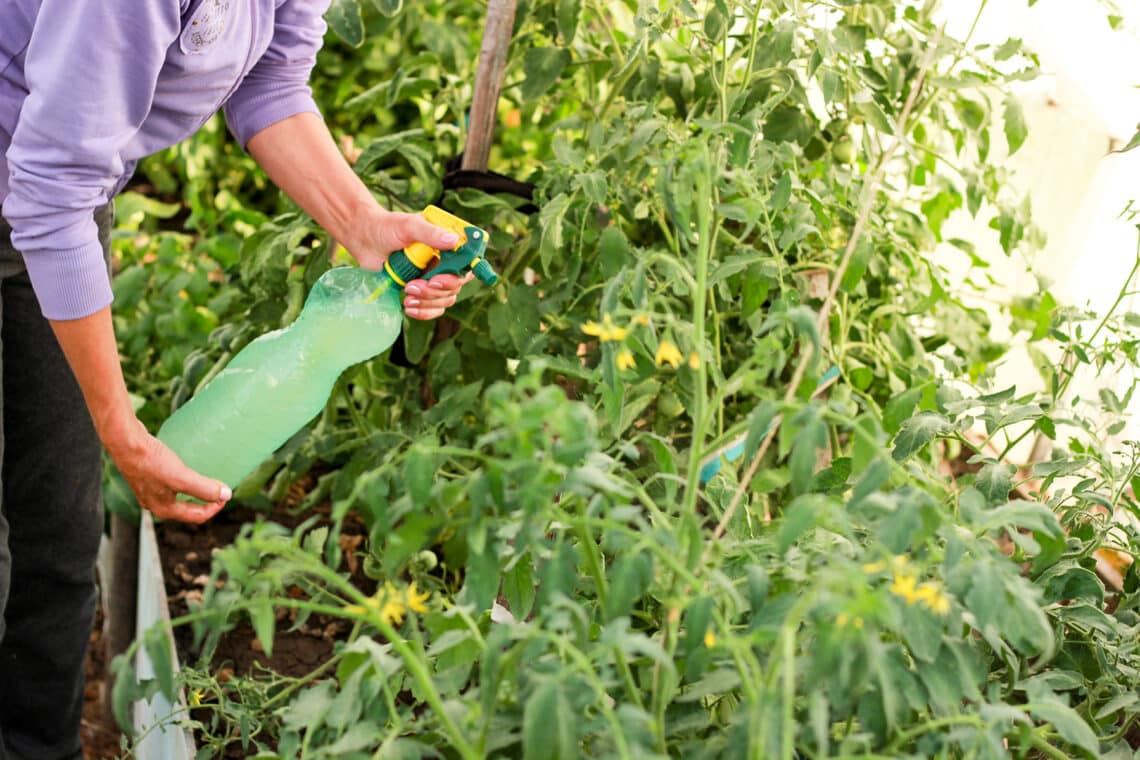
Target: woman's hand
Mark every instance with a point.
(157, 476)
(153, 471)
(301, 158)
(427, 299)
(393, 231)
(384, 232)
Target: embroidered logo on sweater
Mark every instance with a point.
(206, 25)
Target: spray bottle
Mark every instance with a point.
(283, 379)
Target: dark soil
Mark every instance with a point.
(186, 552)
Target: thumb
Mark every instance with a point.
(190, 483)
(423, 231)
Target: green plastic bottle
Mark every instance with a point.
(283, 379)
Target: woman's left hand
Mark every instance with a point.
(427, 299)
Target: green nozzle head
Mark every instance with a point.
(418, 258)
(467, 258)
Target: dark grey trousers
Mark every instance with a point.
(51, 518)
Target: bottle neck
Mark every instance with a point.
(401, 270)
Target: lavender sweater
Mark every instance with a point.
(88, 87)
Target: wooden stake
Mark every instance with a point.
(489, 83)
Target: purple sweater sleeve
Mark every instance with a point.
(91, 69)
(278, 85)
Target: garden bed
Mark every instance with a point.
(185, 553)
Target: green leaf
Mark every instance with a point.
(801, 515)
(482, 580)
(1068, 724)
(568, 13)
(782, 193)
(389, 7)
(519, 587)
(810, 438)
(857, 267)
(721, 681)
(551, 219)
(380, 148)
(919, 431)
(1132, 144)
(697, 619)
(758, 427)
(1021, 514)
(995, 480)
(899, 408)
(629, 577)
(613, 251)
(158, 649)
(262, 618)
(542, 66)
(1015, 129)
(593, 186)
(126, 691)
(548, 724)
(1117, 703)
(419, 474)
(343, 17)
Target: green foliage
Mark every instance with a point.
(706, 173)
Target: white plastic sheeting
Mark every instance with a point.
(1085, 105)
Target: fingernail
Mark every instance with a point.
(411, 302)
(450, 239)
(413, 290)
(226, 493)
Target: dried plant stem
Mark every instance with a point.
(870, 191)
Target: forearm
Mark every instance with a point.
(300, 157)
(90, 347)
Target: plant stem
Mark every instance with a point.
(1046, 748)
(706, 199)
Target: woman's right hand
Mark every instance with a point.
(157, 476)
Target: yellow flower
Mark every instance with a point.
(694, 360)
(625, 360)
(607, 331)
(930, 595)
(841, 619)
(641, 320)
(196, 698)
(905, 586)
(669, 354)
(416, 600)
(610, 331)
(898, 563)
(389, 603)
(392, 608)
(710, 638)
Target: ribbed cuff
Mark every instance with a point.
(70, 284)
(250, 116)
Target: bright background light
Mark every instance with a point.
(1085, 104)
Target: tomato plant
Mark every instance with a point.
(739, 204)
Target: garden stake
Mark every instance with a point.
(489, 83)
